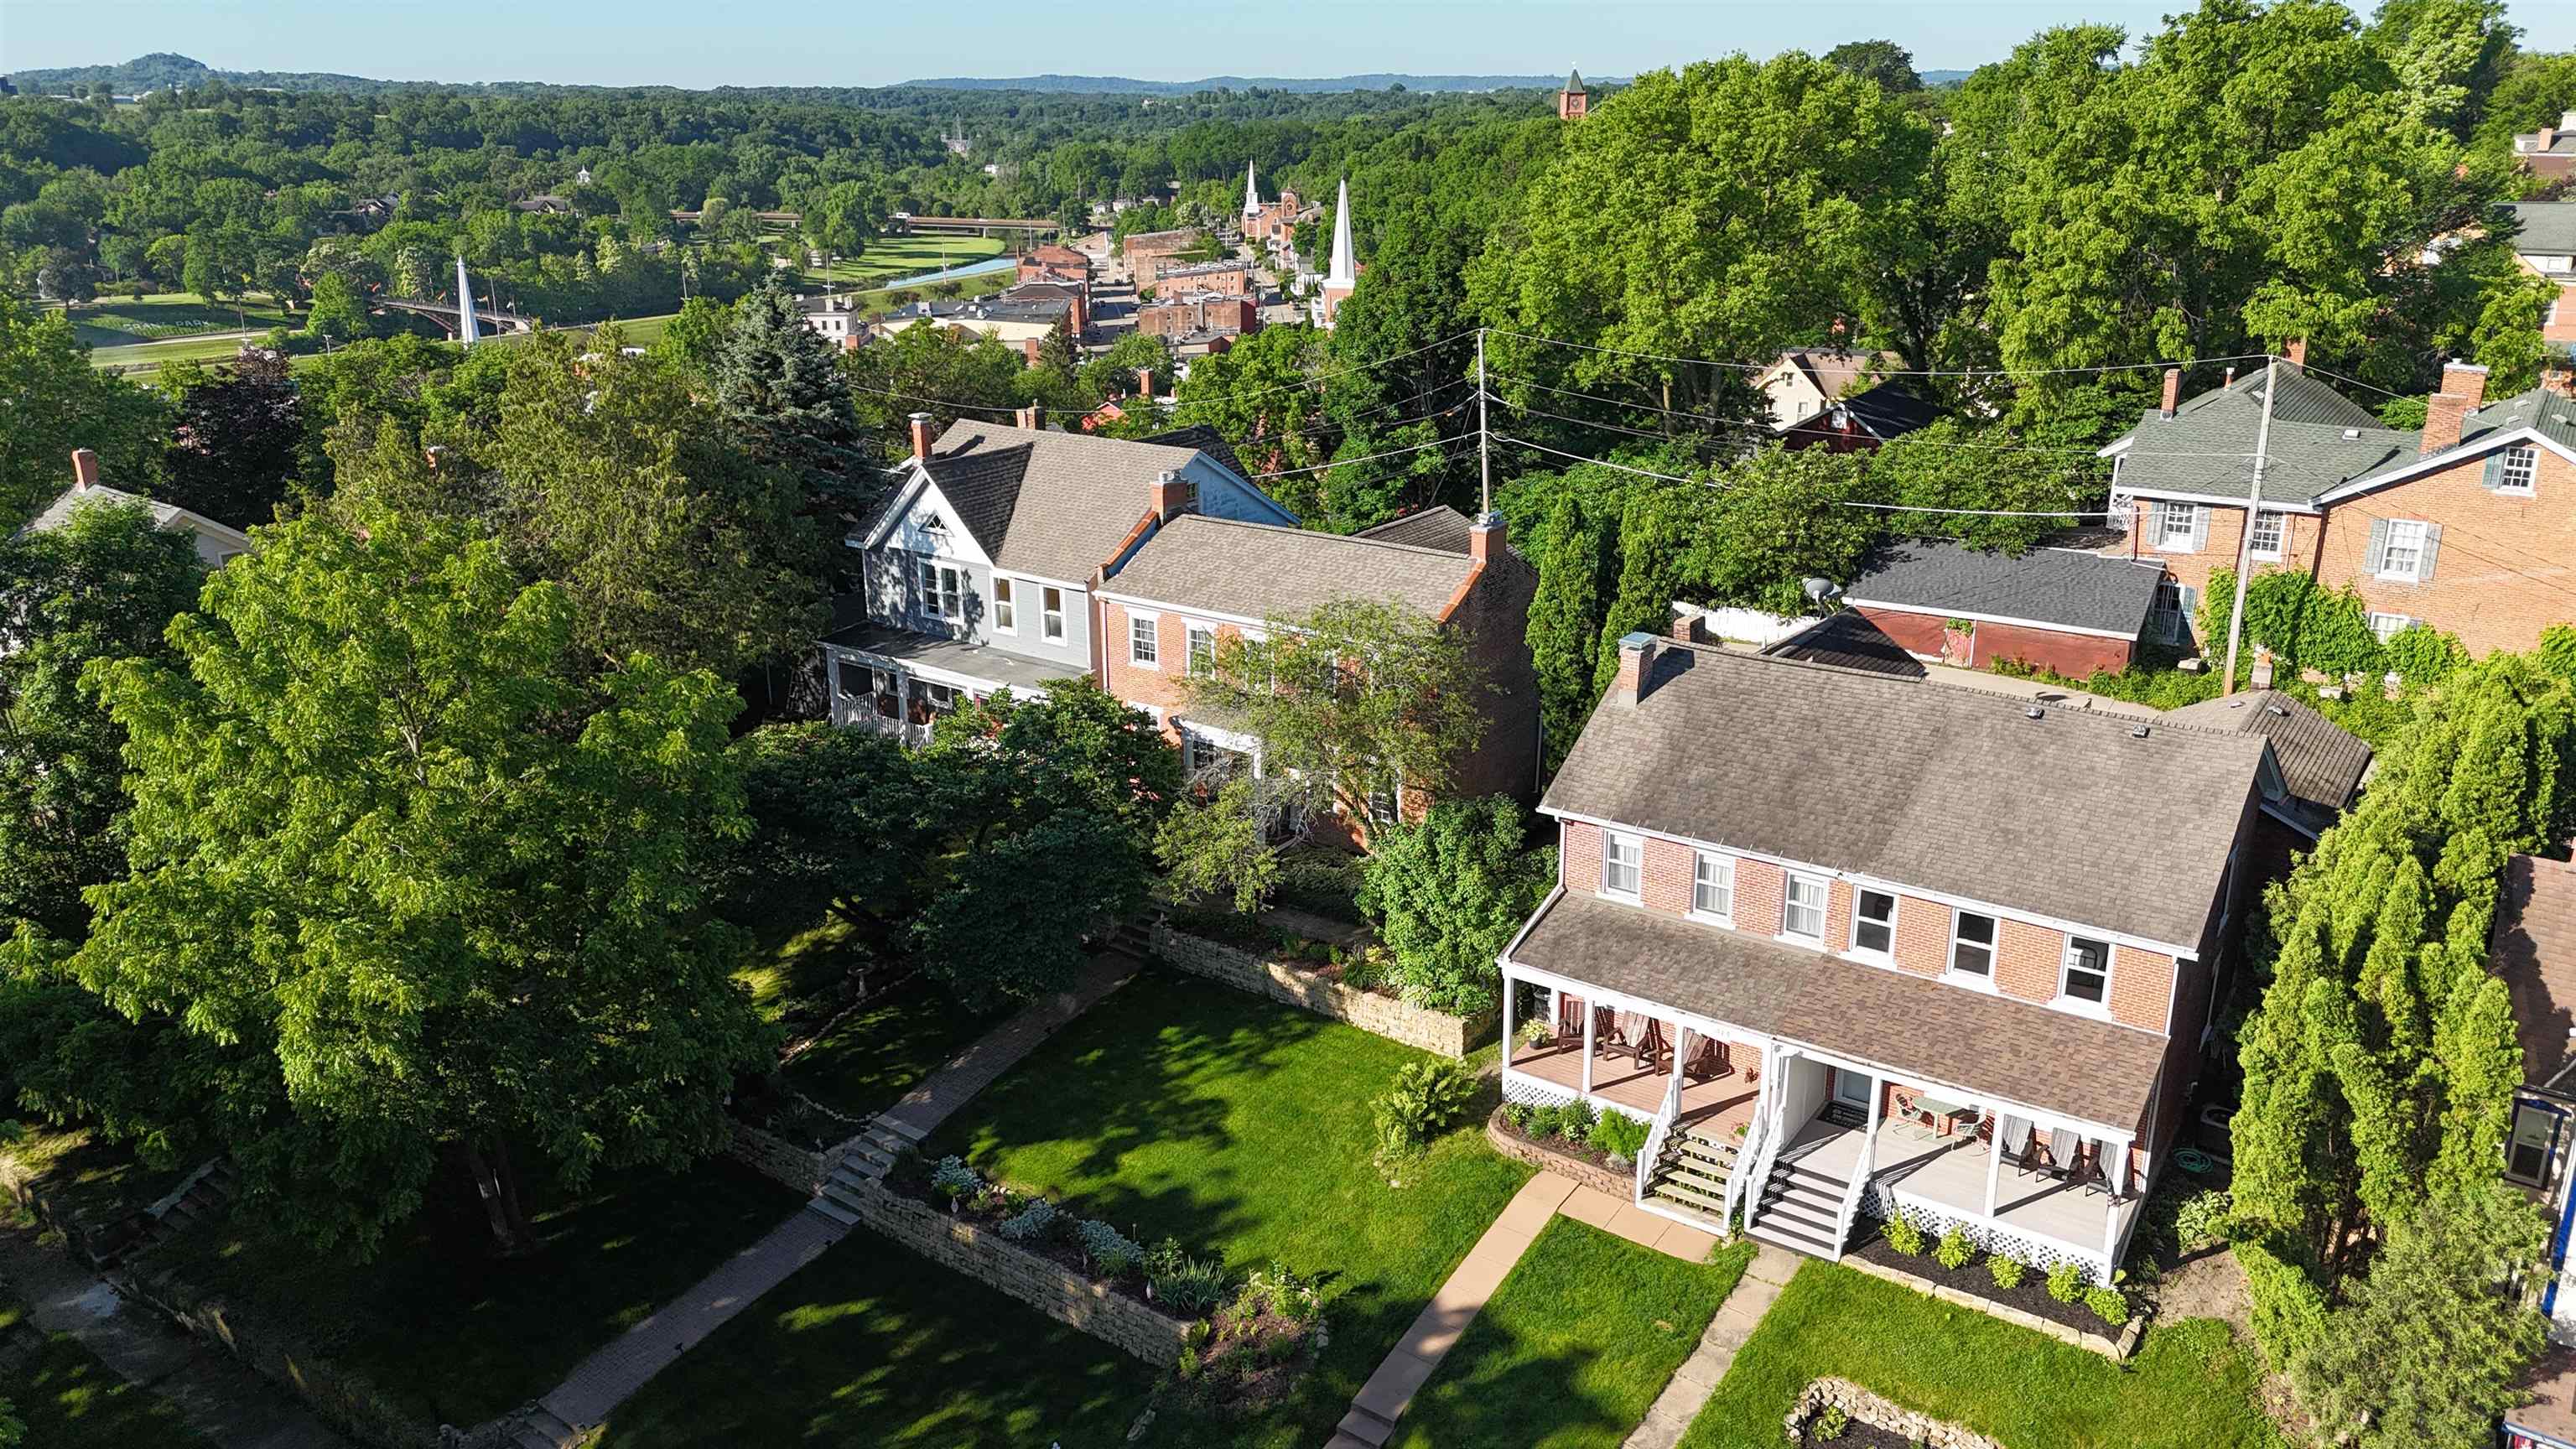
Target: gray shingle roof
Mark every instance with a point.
(2552, 415)
(1262, 570)
(2016, 1050)
(1951, 790)
(2545, 226)
(2320, 439)
(2321, 762)
(1850, 641)
(1890, 410)
(1052, 504)
(165, 516)
(1439, 526)
(2044, 586)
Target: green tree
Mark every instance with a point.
(2433, 1346)
(837, 815)
(1951, 465)
(339, 310)
(1258, 396)
(446, 891)
(57, 402)
(1577, 559)
(693, 341)
(1778, 518)
(1010, 918)
(238, 441)
(1448, 892)
(1113, 372)
(221, 259)
(1884, 61)
(937, 370)
(1221, 842)
(1107, 756)
(103, 587)
(779, 389)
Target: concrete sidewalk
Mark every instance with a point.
(1682, 1399)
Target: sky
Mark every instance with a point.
(875, 42)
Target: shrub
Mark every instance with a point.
(2420, 654)
(1832, 1422)
(1187, 1365)
(2202, 1219)
(1903, 1234)
(1520, 1115)
(1954, 1250)
(1574, 1121)
(1190, 1286)
(953, 1179)
(1536, 1033)
(1369, 970)
(2108, 1304)
(1030, 1224)
(2066, 1282)
(1448, 893)
(2289, 1312)
(2008, 1270)
(1111, 1252)
(1321, 880)
(1620, 1135)
(1427, 1097)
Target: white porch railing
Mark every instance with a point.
(1664, 1115)
(1743, 1183)
(1768, 1118)
(1862, 1168)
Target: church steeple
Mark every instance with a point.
(1345, 270)
(1251, 192)
(1573, 101)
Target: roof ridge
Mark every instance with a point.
(1303, 532)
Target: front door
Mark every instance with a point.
(1851, 1089)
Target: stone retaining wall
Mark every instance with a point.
(338, 1397)
(1869, 1408)
(988, 1258)
(1438, 1032)
(2111, 1348)
(1620, 1185)
(780, 1160)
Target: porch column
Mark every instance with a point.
(2111, 1229)
(1869, 1141)
(1588, 1011)
(1994, 1162)
(1509, 992)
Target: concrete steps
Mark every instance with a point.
(1801, 1209)
(1364, 1428)
(539, 1427)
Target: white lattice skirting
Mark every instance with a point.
(1876, 1203)
(1537, 1094)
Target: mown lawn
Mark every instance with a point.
(117, 321)
(1571, 1351)
(1241, 1127)
(69, 1400)
(457, 1335)
(2191, 1386)
(874, 1055)
(903, 256)
(871, 1344)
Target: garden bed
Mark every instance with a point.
(1300, 979)
(1580, 1161)
(1973, 1278)
(1845, 1415)
(1045, 1228)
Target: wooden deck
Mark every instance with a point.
(1950, 1173)
(1719, 1104)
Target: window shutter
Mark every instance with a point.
(2156, 519)
(2190, 606)
(2375, 557)
(2493, 478)
(2200, 528)
(2432, 550)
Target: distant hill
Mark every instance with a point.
(1118, 85)
(1941, 79)
(163, 71)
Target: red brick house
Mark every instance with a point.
(2065, 610)
(1195, 580)
(1855, 944)
(2464, 525)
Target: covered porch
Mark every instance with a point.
(899, 683)
(1630, 1056)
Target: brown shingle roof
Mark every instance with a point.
(1951, 790)
(2534, 950)
(1056, 505)
(2017, 1050)
(1439, 527)
(2321, 762)
(1261, 570)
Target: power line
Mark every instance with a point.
(1883, 371)
(1349, 462)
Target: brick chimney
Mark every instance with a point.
(1029, 351)
(2295, 352)
(1145, 383)
(2173, 391)
(2559, 380)
(1485, 539)
(1636, 656)
(1031, 417)
(2446, 413)
(84, 470)
(2262, 669)
(1171, 496)
(921, 436)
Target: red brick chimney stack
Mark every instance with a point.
(1485, 539)
(1171, 496)
(1145, 383)
(2295, 352)
(1636, 656)
(921, 436)
(84, 469)
(2173, 390)
(2446, 413)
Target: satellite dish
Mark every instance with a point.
(1819, 590)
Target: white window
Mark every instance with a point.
(2405, 556)
(1972, 944)
(1873, 923)
(1051, 614)
(2535, 1137)
(1006, 607)
(1202, 639)
(1384, 803)
(2088, 972)
(1144, 644)
(2387, 625)
(2268, 531)
(2176, 525)
(942, 591)
(1802, 908)
(2519, 468)
(1623, 864)
(1713, 886)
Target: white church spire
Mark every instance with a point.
(1251, 192)
(1345, 270)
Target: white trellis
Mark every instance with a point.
(2041, 1253)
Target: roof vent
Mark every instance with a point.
(2351, 433)
(2276, 709)
(2137, 732)
(2034, 712)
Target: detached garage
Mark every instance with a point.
(1946, 603)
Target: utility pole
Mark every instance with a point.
(1484, 437)
(2253, 506)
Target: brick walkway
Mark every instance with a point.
(1696, 1379)
(1389, 1392)
(607, 1378)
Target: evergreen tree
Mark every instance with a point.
(1576, 562)
(779, 387)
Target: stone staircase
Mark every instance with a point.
(870, 1156)
(202, 1195)
(538, 1427)
(1802, 1210)
(1690, 1177)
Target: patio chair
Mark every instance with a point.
(1709, 1059)
(1652, 1049)
(1607, 1038)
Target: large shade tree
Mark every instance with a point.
(443, 889)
